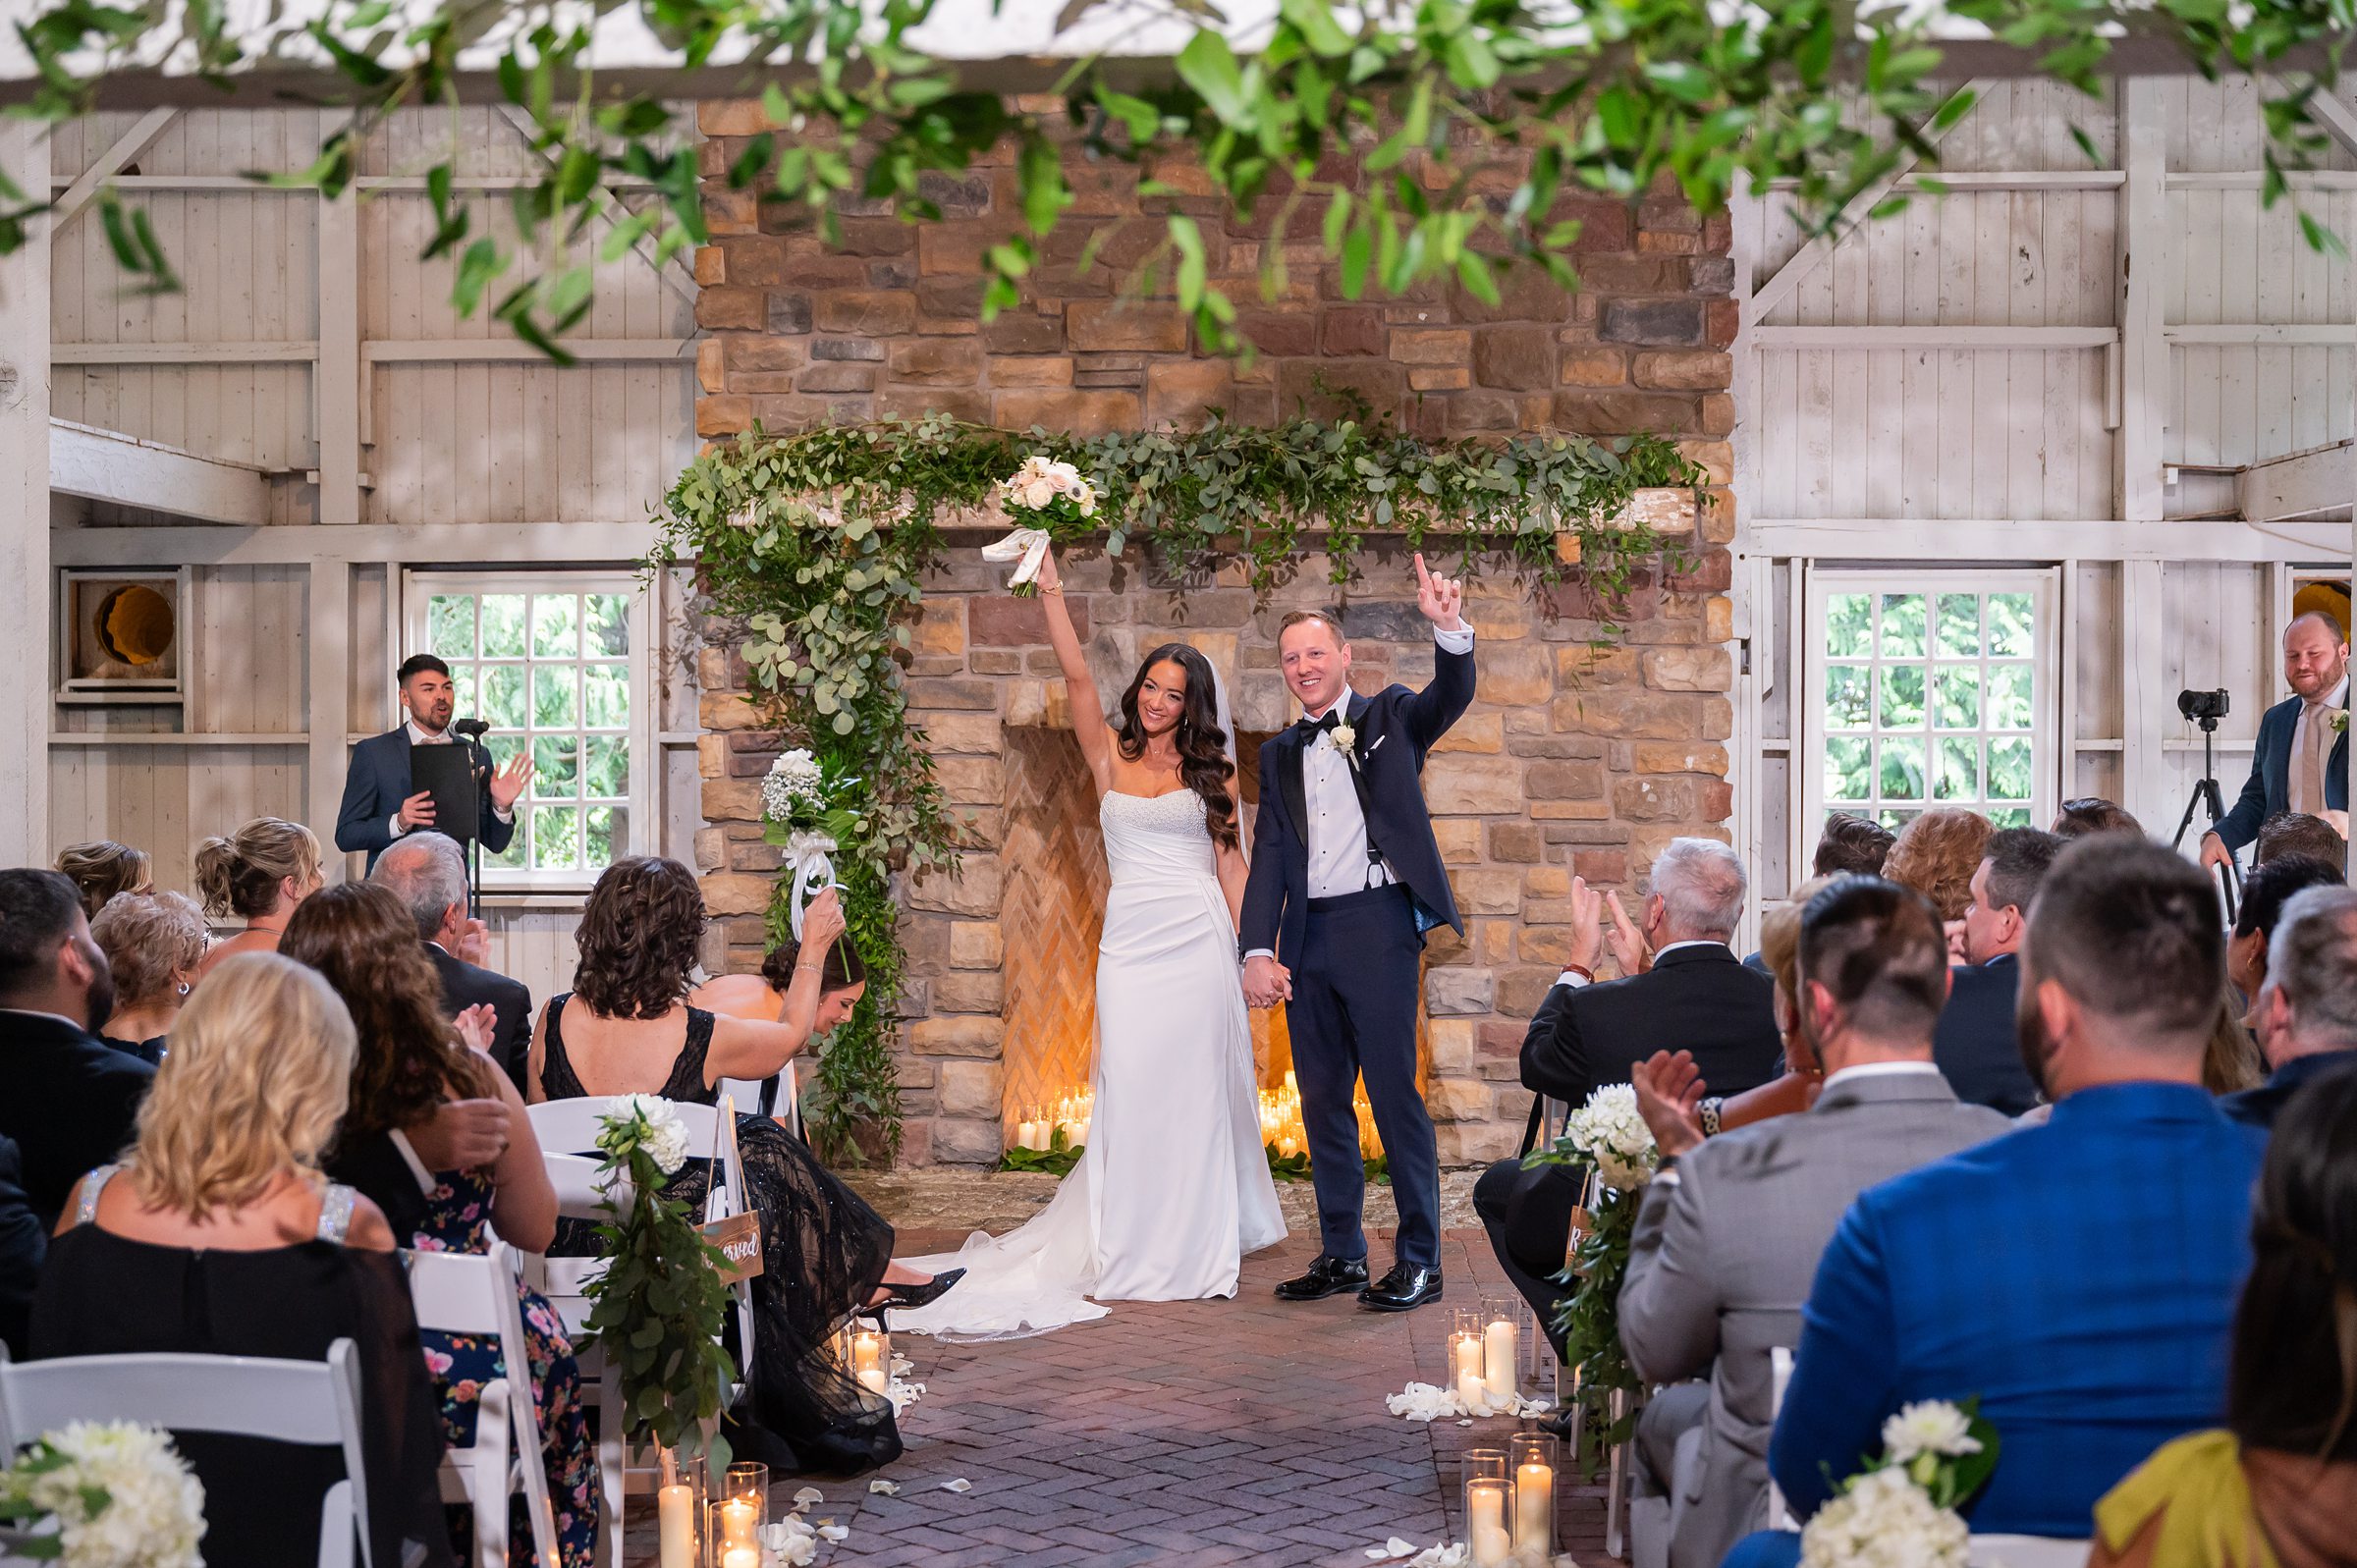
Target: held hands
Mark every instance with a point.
(509, 782)
(1267, 982)
(1669, 1091)
(461, 1134)
(1441, 599)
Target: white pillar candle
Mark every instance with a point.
(1498, 1358)
(737, 1522)
(1471, 1394)
(742, 1557)
(1534, 1509)
(1485, 1525)
(1466, 1356)
(875, 1379)
(675, 1514)
(867, 1350)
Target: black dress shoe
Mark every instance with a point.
(1406, 1286)
(1328, 1276)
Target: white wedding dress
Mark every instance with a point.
(1173, 1188)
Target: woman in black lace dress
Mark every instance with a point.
(625, 1028)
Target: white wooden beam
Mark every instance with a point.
(397, 182)
(2331, 115)
(2142, 266)
(673, 273)
(107, 465)
(1971, 181)
(400, 544)
(464, 350)
(1777, 289)
(27, 586)
(2026, 540)
(2305, 484)
(1929, 336)
(129, 145)
(336, 386)
(2254, 179)
(327, 650)
(2261, 334)
(182, 353)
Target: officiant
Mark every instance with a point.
(2301, 762)
(379, 806)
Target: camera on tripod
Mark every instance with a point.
(2205, 708)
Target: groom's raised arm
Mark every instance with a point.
(1445, 697)
(1264, 886)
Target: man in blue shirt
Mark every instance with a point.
(2078, 1278)
(2307, 1008)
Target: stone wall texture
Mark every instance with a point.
(1582, 754)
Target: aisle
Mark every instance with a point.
(1198, 1432)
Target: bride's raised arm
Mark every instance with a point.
(1089, 708)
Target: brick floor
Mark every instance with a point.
(1187, 1433)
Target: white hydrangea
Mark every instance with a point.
(1040, 480)
(153, 1515)
(1928, 1427)
(1885, 1520)
(793, 785)
(664, 1136)
(1608, 1130)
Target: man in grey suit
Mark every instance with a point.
(1727, 1239)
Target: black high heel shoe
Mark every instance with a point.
(909, 1297)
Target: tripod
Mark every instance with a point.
(2206, 795)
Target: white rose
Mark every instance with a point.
(1038, 494)
(1344, 738)
(1928, 1427)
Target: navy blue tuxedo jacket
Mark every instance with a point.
(378, 782)
(2268, 790)
(1395, 727)
(1976, 1047)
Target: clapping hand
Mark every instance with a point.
(476, 1026)
(1628, 943)
(1441, 599)
(1669, 1089)
(509, 782)
(473, 943)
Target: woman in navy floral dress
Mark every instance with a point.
(412, 1065)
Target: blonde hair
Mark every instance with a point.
(147, 936)
(253, 1086)
(1937, 854)
(240, 875)
(102, 868)
(1779, 934)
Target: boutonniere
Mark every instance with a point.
(2338, 719)
(1344, 738)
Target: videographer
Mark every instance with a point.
(2302, 759)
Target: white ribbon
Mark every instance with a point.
(813, 873)
(1026, 545)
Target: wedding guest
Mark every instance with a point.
(104, 867)
(66, 1096)
(410, 1060)
(154, 945)
(24, 1242)
(217, 1236)
(2077, 1277)
(783, 988)
(1937, 854)
(427, 872)
(259, 874)
(2093, 814)
(2307, 1007)
(1854, 845)
(2265, 892)
(1729, 1231)
(2296, 833)
(2230, 1062)
(2278, 1481)
(2301, 758)
(825, 1253)
(1695, 993)
(1976, 1048)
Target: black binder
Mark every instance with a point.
(449, 772)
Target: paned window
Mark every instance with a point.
(1930, 690)
(555, 664)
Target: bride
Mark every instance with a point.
(1173, 1188)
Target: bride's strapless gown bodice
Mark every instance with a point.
(1174, 1187)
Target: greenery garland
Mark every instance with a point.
(811, 549)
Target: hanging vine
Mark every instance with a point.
(811, 549)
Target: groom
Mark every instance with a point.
(1346, 880)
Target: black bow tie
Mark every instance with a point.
(1311, 728)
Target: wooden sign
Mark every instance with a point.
(739, 1238)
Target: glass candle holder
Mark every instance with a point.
(1489, 1508)
(680, 1498)
(1466, 1359)
(729, 1532)
(1535, 1458)
(1501, 1350)
(871, 1358)
(745, 1488)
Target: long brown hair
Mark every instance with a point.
(360, 937)
(1203, 764)
(638, 936)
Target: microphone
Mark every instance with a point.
(472, 728)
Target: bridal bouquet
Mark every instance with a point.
(120, 1493)
(1608, 1141)
(806, 805)
(1901, 1510)
(1044, 492)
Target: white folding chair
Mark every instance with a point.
(310, 1402)
(1780, 1377)
(473, 1293)
(2027, 1551)
(776, 1097)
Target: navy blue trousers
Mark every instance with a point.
(1354, 1015)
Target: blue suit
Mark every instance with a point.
(1356, 960)
(2078, 1277)
(2268, 790)
(378, 782)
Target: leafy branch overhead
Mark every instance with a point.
(1425, 141)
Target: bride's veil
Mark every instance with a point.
(1227, 720)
